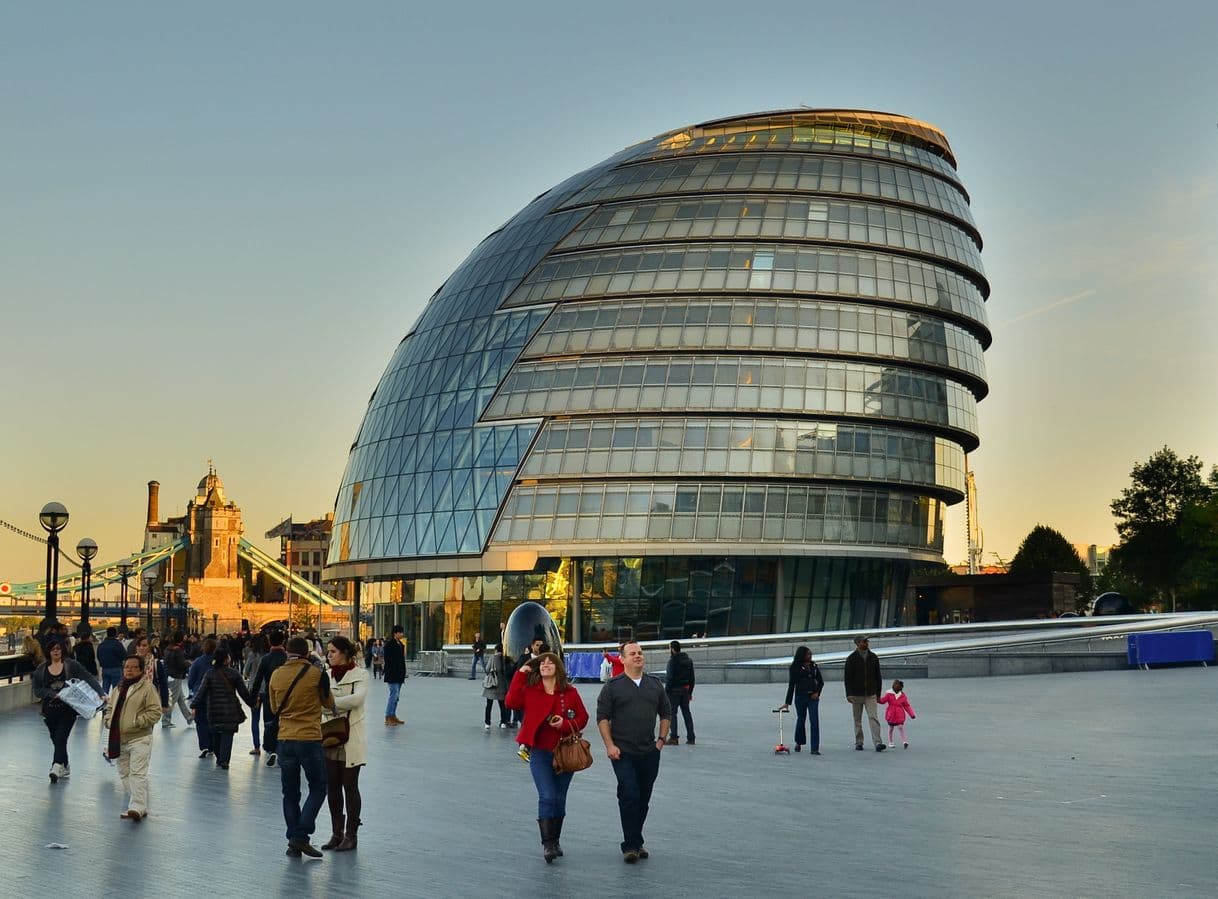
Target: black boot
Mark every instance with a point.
(557, 835)
(351, 840)
(336, 833)
(546, 826)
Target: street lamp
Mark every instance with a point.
(149, 582)
(124, 569)
(182, 598)
(167, 606)
(215, 623)
(53, 518)
(86, 549)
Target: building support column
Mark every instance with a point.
(575, 620)
(780, 624)
(356, 584)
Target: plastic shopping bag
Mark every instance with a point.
(80, 696)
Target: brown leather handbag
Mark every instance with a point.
(573, 752)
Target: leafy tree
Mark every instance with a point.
(1162, 538)
(1045, 551)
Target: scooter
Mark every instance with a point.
(781, 747)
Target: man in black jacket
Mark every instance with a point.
(177, 667)
(395, 673)
(259, 688)
(110, 657)
(863, 684)
(679, 677)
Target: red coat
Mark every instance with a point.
(898, 707)
(615, 663)
(538, 706)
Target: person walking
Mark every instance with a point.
(896, 707)
(131, 713)
(369, 645)
(349, 684)
(626, 714)
(297, 693)
(395, 673)
(177, 668)
(270, 663)
(194, 681)
(679, 683)
(552, 709)
(255, 649)
(48, 679)
(218, 696)
(110, 657)
(378, 660)
(496, 692)
(804, 685)
(85, 652)
(154, 670)
(863, 685)
(479, 653)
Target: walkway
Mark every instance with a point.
(1091, 784)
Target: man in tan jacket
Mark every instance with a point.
(297, 693)
(131, 712)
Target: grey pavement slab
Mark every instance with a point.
(1091, 784)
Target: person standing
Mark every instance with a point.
(176, 667)
(85, 652)
(479, 656)
(497, 693)
(679, 683)
(552, 709)
(297, 693)
(804, 684)
(194, 681)
(395, 673)
(217, 696)
(626, 714)
(863, 685)
(343, 763)
(48, 679)
(271, 662)
(131, 713)
(110, 657)
(369, 645)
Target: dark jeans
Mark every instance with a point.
(294, 756)
(256, 714)
(679, 699)
(59, 718)
(202, 730)
(222, 746)
(111, 677)
(806, 706)
(503, 712)
(636, 775)
(270, 729)
(551, 788)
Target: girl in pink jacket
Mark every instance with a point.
(897, 708)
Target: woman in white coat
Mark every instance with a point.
(349, 684)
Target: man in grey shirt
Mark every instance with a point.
(626, 715)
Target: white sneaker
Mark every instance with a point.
(56, 772)
(66, 771)
(893, 745)
(486, 727)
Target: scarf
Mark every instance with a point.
(115, 742)
(337, 671)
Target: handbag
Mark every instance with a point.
(573, 752)
(335, 732)
(491, 680)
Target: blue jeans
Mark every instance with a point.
(111, 677)
(551, 788)
(636, 775)
(202, 729)
(295, 755)
(473, 670)
(391, 707)
(806, 706)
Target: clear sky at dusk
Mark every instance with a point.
(218, 220)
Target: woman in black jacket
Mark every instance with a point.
(218, 697)
(49, 678)
(805, 683)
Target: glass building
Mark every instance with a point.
(721, 383)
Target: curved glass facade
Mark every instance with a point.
(722, 382)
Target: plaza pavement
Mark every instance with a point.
(1098, 784)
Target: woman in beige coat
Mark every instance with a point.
(349, 685)
(132, 711)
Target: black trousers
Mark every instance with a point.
(59, 718)
(270, 731)
(679, 699)
(636, 775)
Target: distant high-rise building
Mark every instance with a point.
(720, 383)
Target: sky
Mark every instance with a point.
(218, 220)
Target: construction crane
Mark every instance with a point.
(976, 538)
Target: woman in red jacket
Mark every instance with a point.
(552, 709)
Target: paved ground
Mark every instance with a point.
(1096, 784)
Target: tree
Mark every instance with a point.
(1158, 549)
(1045, 551)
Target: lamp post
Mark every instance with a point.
(167, 606)
(86, 549)
(53, 518)
(149, 582)
(124, 569)
(182, 599)
(215, 623)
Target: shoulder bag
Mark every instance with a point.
(491, 680)
(573, 752)
(336, 731)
